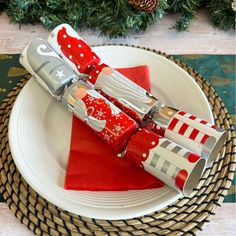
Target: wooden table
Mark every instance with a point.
(201, 38)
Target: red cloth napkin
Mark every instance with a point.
(94, 166)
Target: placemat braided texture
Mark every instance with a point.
(184, 217)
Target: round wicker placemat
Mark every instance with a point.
(184, 217)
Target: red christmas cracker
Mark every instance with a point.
(108, 121)
(174, 165)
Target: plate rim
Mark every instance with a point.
(25, 87)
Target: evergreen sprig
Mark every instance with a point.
(188, 11)
(114, 18)
(222, 14)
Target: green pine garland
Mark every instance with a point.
(222, 14)
(115, 18)
(188, 11)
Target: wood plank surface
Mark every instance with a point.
(201, 38)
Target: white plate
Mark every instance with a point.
(39, 135)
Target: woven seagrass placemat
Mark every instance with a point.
(184, 217)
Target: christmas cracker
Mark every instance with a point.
(174, 165)
(107, 120)
(189, 131)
